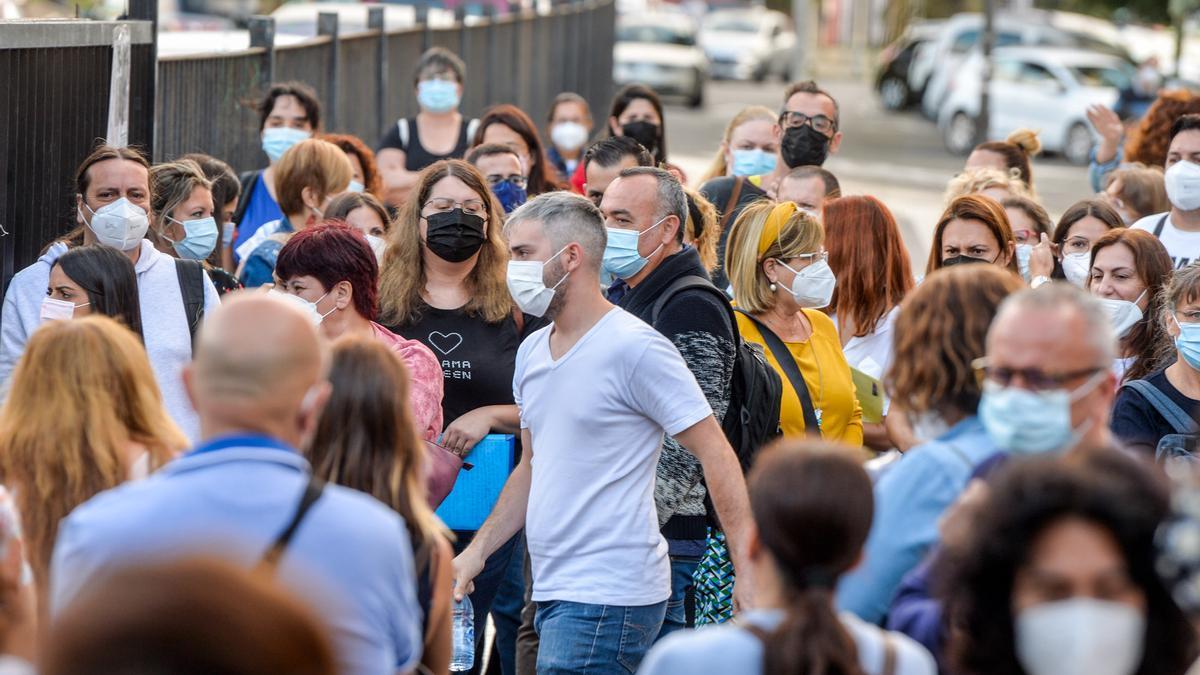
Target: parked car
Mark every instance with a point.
(961, 35)
(300, 18)
(749, 44)
(1044, 88)
(891, 80)
(659, 50)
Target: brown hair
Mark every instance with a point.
(225, 188)
(702, 231)
(173, 184)
(1041, 219)
(343, 204)
(1148, 339)
(353, 145)
(833, 189)
(812, 506)
(542, 175)
(1148, 142)
(304, 94)
(1143, 189)
(941, 329)
(1096, 208)
(868, 256)
(188, 617)
(85, 388)
(973, 207)
(402, 276)
(311, 163)
(1016, 151)
(83, 179)
(811, 87)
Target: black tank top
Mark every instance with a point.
(416, 157)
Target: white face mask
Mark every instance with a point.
(929, 425)
(569, 136)
(309, 308)
(1077, 267)
(1080, 636)
(121, 224)
(1183, 186)
(1123, 314)
(54, 309)
(813, 286)
(527, 285)
(1024, 251)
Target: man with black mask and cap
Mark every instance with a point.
(809, 126)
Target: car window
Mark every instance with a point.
(1008, 39)
(1100, 76)
(964, 41)
(655, 34)
(1007, 70)
(733, 25)
(1036, 75)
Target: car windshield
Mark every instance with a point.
(734, 25)
(1101, 76)
(655, 34)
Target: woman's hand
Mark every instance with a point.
(1041, 259)
(1109, 126)
(463, 433)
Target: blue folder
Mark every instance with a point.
(477, 489)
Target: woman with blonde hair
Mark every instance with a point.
(702, 231)
(367, 439)
(83, 415)
(750, 146)
(989, 182)
(184, 214)
(442, 282)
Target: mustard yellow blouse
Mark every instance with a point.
(827, 375)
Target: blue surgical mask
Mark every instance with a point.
(437, 96)
(510, 195)
(753, 162)
(1026, 422)
(356, 187)
(1024, 251)
(1188, 342)
(199, 238)
(621, 257)
(278, 140)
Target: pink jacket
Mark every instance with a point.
(425, 377)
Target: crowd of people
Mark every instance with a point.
(744, 434)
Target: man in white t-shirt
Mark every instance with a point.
(597, 390)
(1179, 228)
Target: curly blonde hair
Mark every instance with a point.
(972, 181)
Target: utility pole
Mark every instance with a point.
(986, 42)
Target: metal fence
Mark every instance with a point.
(55, 81)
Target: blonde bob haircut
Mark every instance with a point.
(765, 231)
(313, 163)
(83, 395)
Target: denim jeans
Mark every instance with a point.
(486, 585)
(594, 639)
(506, 609)
(682, 605)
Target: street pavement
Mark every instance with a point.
(896, 157)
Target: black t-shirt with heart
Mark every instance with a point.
(477, 358)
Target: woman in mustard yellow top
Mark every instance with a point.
(776, 263)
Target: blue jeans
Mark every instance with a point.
(681, 607)
(507, 606)
(588, 639)
(486, 585)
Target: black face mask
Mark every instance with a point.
(643, 132)
(804, 146)
(454, 236)
(964, 260)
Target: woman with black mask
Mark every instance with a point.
(637, 113)
(442, 282)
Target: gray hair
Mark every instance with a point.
(566, 218)
(671, 201)
(1058, 296)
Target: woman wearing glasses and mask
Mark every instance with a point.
(443, 282)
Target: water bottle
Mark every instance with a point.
(463, 656)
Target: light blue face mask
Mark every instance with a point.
(1188, 342)
(199, 238)
(1024, 251)
(753, 162)
(356, 186)
(621, 257)
(278, 140)
(1026, 422)
(437, 96)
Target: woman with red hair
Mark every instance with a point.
(332, 270)
(873, 273)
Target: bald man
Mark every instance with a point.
(258, 386)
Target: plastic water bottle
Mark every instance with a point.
(463, 656)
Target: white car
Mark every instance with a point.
(749, 44)
(1041, 88)
(659, 50)
(300, 18)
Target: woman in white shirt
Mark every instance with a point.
(812, 508)
(867, 254)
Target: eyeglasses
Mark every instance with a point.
(516, 181)
(1034, 379)
(474, 207)
(790, 119)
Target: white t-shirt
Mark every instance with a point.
(1183, 247)
(872, 354)
(596, 417)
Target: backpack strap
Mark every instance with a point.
(402, 130)
(787, 363)
(472, 126)
(731, 205)
(312, 492)
(191, 285)
(687, 283)
(889, 655)
(247, 180)
(1162, 223)
(1176, 416)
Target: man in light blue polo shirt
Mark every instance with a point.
(257, 383)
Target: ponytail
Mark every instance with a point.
(811, 639)
(701, 228)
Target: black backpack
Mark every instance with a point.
(191, 287)
(752, 419)
(1180, 445)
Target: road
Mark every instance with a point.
(896, 157)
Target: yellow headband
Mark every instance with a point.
(775, 222)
